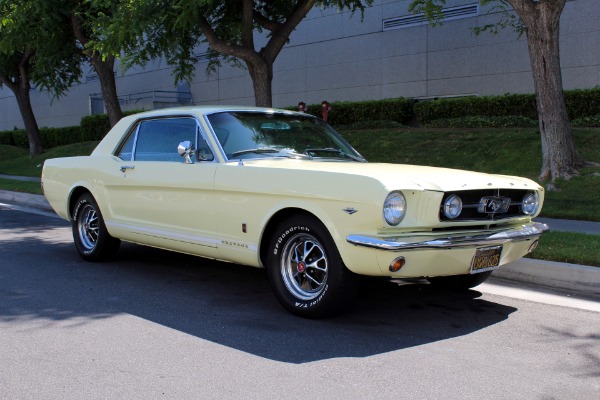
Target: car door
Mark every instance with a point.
(158, 198)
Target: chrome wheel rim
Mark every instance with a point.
(304, 267)
(88, 227)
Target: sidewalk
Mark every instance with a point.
(572, 277)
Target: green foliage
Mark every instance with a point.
(491, 106)
(399, 110)
(431, 9)
(145, 30)
(24, 165)
(569, 247)
(20, 186)
(94, 127)
(580, 104)
(591, 121)
(502, 10)
(37, 45)
(51, 137)
(480, 121)
(8, 152)
(345, 113)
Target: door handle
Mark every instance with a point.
(126, 167)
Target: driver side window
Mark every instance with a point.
(158, 139)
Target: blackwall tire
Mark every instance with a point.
(460, 282)
(306, 271)
(92, 240)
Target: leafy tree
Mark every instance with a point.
(35, 48)
(173, 29)
(86, 17)
(539, 20)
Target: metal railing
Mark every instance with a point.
(152, 96)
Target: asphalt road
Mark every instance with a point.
(158, 325)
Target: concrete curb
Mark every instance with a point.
(25, 199)
(579, 278)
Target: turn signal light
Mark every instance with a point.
(533, 246)
(397, 264)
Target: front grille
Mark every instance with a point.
(487, 204)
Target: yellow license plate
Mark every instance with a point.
(486, 259)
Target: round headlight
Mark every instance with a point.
(452, 206)
(530, 204)
(394, 208)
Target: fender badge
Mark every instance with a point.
(350, 210)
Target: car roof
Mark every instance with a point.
(204, 110)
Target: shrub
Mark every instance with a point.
(346, 113)
(51, 137)
(492, 106)
(582, 103)
(591, 121)
(94, 127)
(17, 137)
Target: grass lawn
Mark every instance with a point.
(16, 161)
(575, 248)
(20, 186)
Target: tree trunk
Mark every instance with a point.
(31, 126)
(20, 87)
(104, 69)
(262, 79)
(542, 19)
(106, 75)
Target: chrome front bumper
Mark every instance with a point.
(524, 232)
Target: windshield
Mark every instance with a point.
(250, 134)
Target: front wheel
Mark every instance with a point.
(306, 271)
(460, 282)
(92, 240)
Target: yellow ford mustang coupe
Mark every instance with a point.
(282, 190)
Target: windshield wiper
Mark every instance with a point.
(259, 150)
(336, 151)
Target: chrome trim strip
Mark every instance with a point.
(524, 232)
(165, 234)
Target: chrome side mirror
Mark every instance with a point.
(186, 150)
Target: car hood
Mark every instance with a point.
(402, 176)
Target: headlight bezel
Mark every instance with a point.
(394, 208)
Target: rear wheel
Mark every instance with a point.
(92, 240)
(460, 282)
(306, 271)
